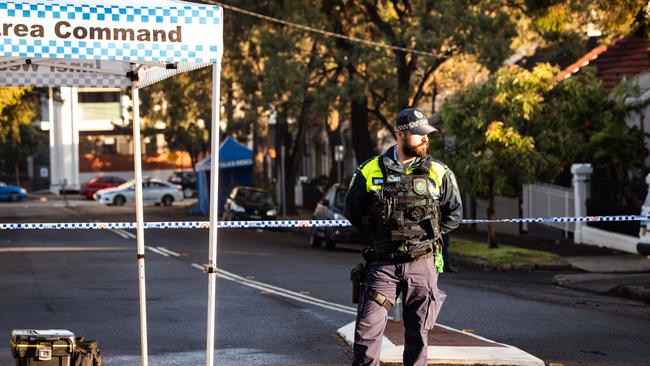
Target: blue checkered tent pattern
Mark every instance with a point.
(168, 31)
(39, 39)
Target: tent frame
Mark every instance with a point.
(211, 267)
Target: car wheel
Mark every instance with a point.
(188, 192)
(14, 197)
(330, 244)
(119, 201)
(314, 240)
(167, 200)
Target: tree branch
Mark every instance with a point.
(420, 89)
(383, 120)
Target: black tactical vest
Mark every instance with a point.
(405, 213)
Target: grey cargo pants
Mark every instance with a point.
(418, 282)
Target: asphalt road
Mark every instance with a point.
(86, 281)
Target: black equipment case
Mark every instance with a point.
(42, 347)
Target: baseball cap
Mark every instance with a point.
(413, 120)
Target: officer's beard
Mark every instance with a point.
(415, 151)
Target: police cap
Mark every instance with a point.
(411, 119)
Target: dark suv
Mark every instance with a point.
(249, 203)
(331, 208)
(186, 179)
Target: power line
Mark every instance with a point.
(320, 31)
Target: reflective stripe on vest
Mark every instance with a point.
(375, 179)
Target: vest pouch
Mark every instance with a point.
(436, 299)
(86, 353)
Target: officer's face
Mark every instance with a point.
(413, 145)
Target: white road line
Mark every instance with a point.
(163, 249)
(127, 233)
(288, 292)
(119, 232)
(60, 249)
(282, 292)
(155, 250)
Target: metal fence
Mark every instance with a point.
(547, 200)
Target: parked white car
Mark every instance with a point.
(153, 191)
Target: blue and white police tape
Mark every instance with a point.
(288, 223)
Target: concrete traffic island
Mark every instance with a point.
(448, 346)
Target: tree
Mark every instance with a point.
(14, 111)
(378, 82)
(582, 122)
(18, 138)
(494, 152)
(522, 126)
(183, 104)
(612, 18)
(288, 73)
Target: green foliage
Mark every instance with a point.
(15, 110)
(183, 104)
(522, 126)
(613, 18)
(30, 141)
(494, 153)
(18, 137)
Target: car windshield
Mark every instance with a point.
(254, 197)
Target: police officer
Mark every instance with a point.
(402, 201)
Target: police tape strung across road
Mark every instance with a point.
(286, 223)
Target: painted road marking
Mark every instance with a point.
(60, 249)
(119, 232)
(267, 288)
(157, 251)
(170, 252)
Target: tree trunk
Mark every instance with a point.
(17, 171)
(260, 149)
(334, 138)
(472, 199)
(229, 105)
(403, 81)
(280, 135)
(363, 145)
(292, 158)
(492, 240)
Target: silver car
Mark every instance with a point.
(153, 191)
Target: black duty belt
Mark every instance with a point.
(401, 257)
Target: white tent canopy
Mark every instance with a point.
(114, 43)
(99, 43)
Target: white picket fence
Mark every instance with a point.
(547, 200)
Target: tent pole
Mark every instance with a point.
(139, 215)
(214, 206)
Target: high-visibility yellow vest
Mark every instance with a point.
(371, 171)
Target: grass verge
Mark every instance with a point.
(505, 254)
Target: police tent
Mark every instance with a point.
(235, 169)
(114, 43)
